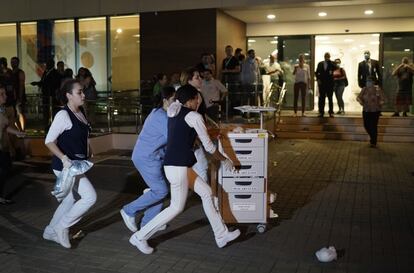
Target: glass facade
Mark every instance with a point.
(64, 42)
(8, 41)
(28, 58)
(287, 50)
(396, 46)
(125, 52)
(92, 50)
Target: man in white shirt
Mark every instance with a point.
(213, 91)
(274, 76)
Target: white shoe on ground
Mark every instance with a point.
(142, 245)
(129, 221)
(62, 235)
(227, 237)
(50, 234)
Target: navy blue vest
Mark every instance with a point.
(74, 142)
(180, 141)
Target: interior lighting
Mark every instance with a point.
(119, 30)
(407, 50)
(271, 16)
(273, 42)
(251, 41)
(321, 38)
(374, 43)
(396, 38)
(375, 35)
(136, 35)
(322, 14)
(275, 37)
(369, 12)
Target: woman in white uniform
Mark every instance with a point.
(184, 125)
(67, 139)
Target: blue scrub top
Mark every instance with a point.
(152, 140)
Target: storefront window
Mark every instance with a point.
(8, 42)
(396, 46)
(92, 49)
(64, 43)
(125, 52)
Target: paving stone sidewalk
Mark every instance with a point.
(345, 194)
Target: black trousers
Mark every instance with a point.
(371, 125)
(5, 167)
(325, 91)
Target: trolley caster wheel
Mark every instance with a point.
(261, 228)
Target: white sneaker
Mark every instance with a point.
(62, 235)
(228, 237)
(142, 245)
(129, 221)
(50, 234)
(163, 227)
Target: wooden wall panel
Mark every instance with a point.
(230, 31)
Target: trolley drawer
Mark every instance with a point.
(243, 207)
(243, 185)
(247, 154)
(255, 169)
(243, 141)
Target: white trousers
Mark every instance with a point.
(72, 208)
(181, 178)
(201, 166)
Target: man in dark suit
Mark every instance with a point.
(369, 72)
(324, 75)
(49, 85)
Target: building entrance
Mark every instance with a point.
(350, 49)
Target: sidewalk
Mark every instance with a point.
(345, 194)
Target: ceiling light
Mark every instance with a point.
(396, 38)
(251, 41)
(374, 43)
(271, 16)
(322, 14)
(273, 42)
(348, 40)
(375, 35)
(306, 54)
(369, 12)
(275, 37)
(136, 35)
(407, 50)
(119, 30)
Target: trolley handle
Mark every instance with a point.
(243, 140)
(243, 183)
(243, 152)
(243, 196)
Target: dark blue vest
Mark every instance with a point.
(180, 141)
(74, 142)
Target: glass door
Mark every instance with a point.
(289, 49)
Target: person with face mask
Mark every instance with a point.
(340, 82)
(369, 72)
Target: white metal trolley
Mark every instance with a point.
(242, 195)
